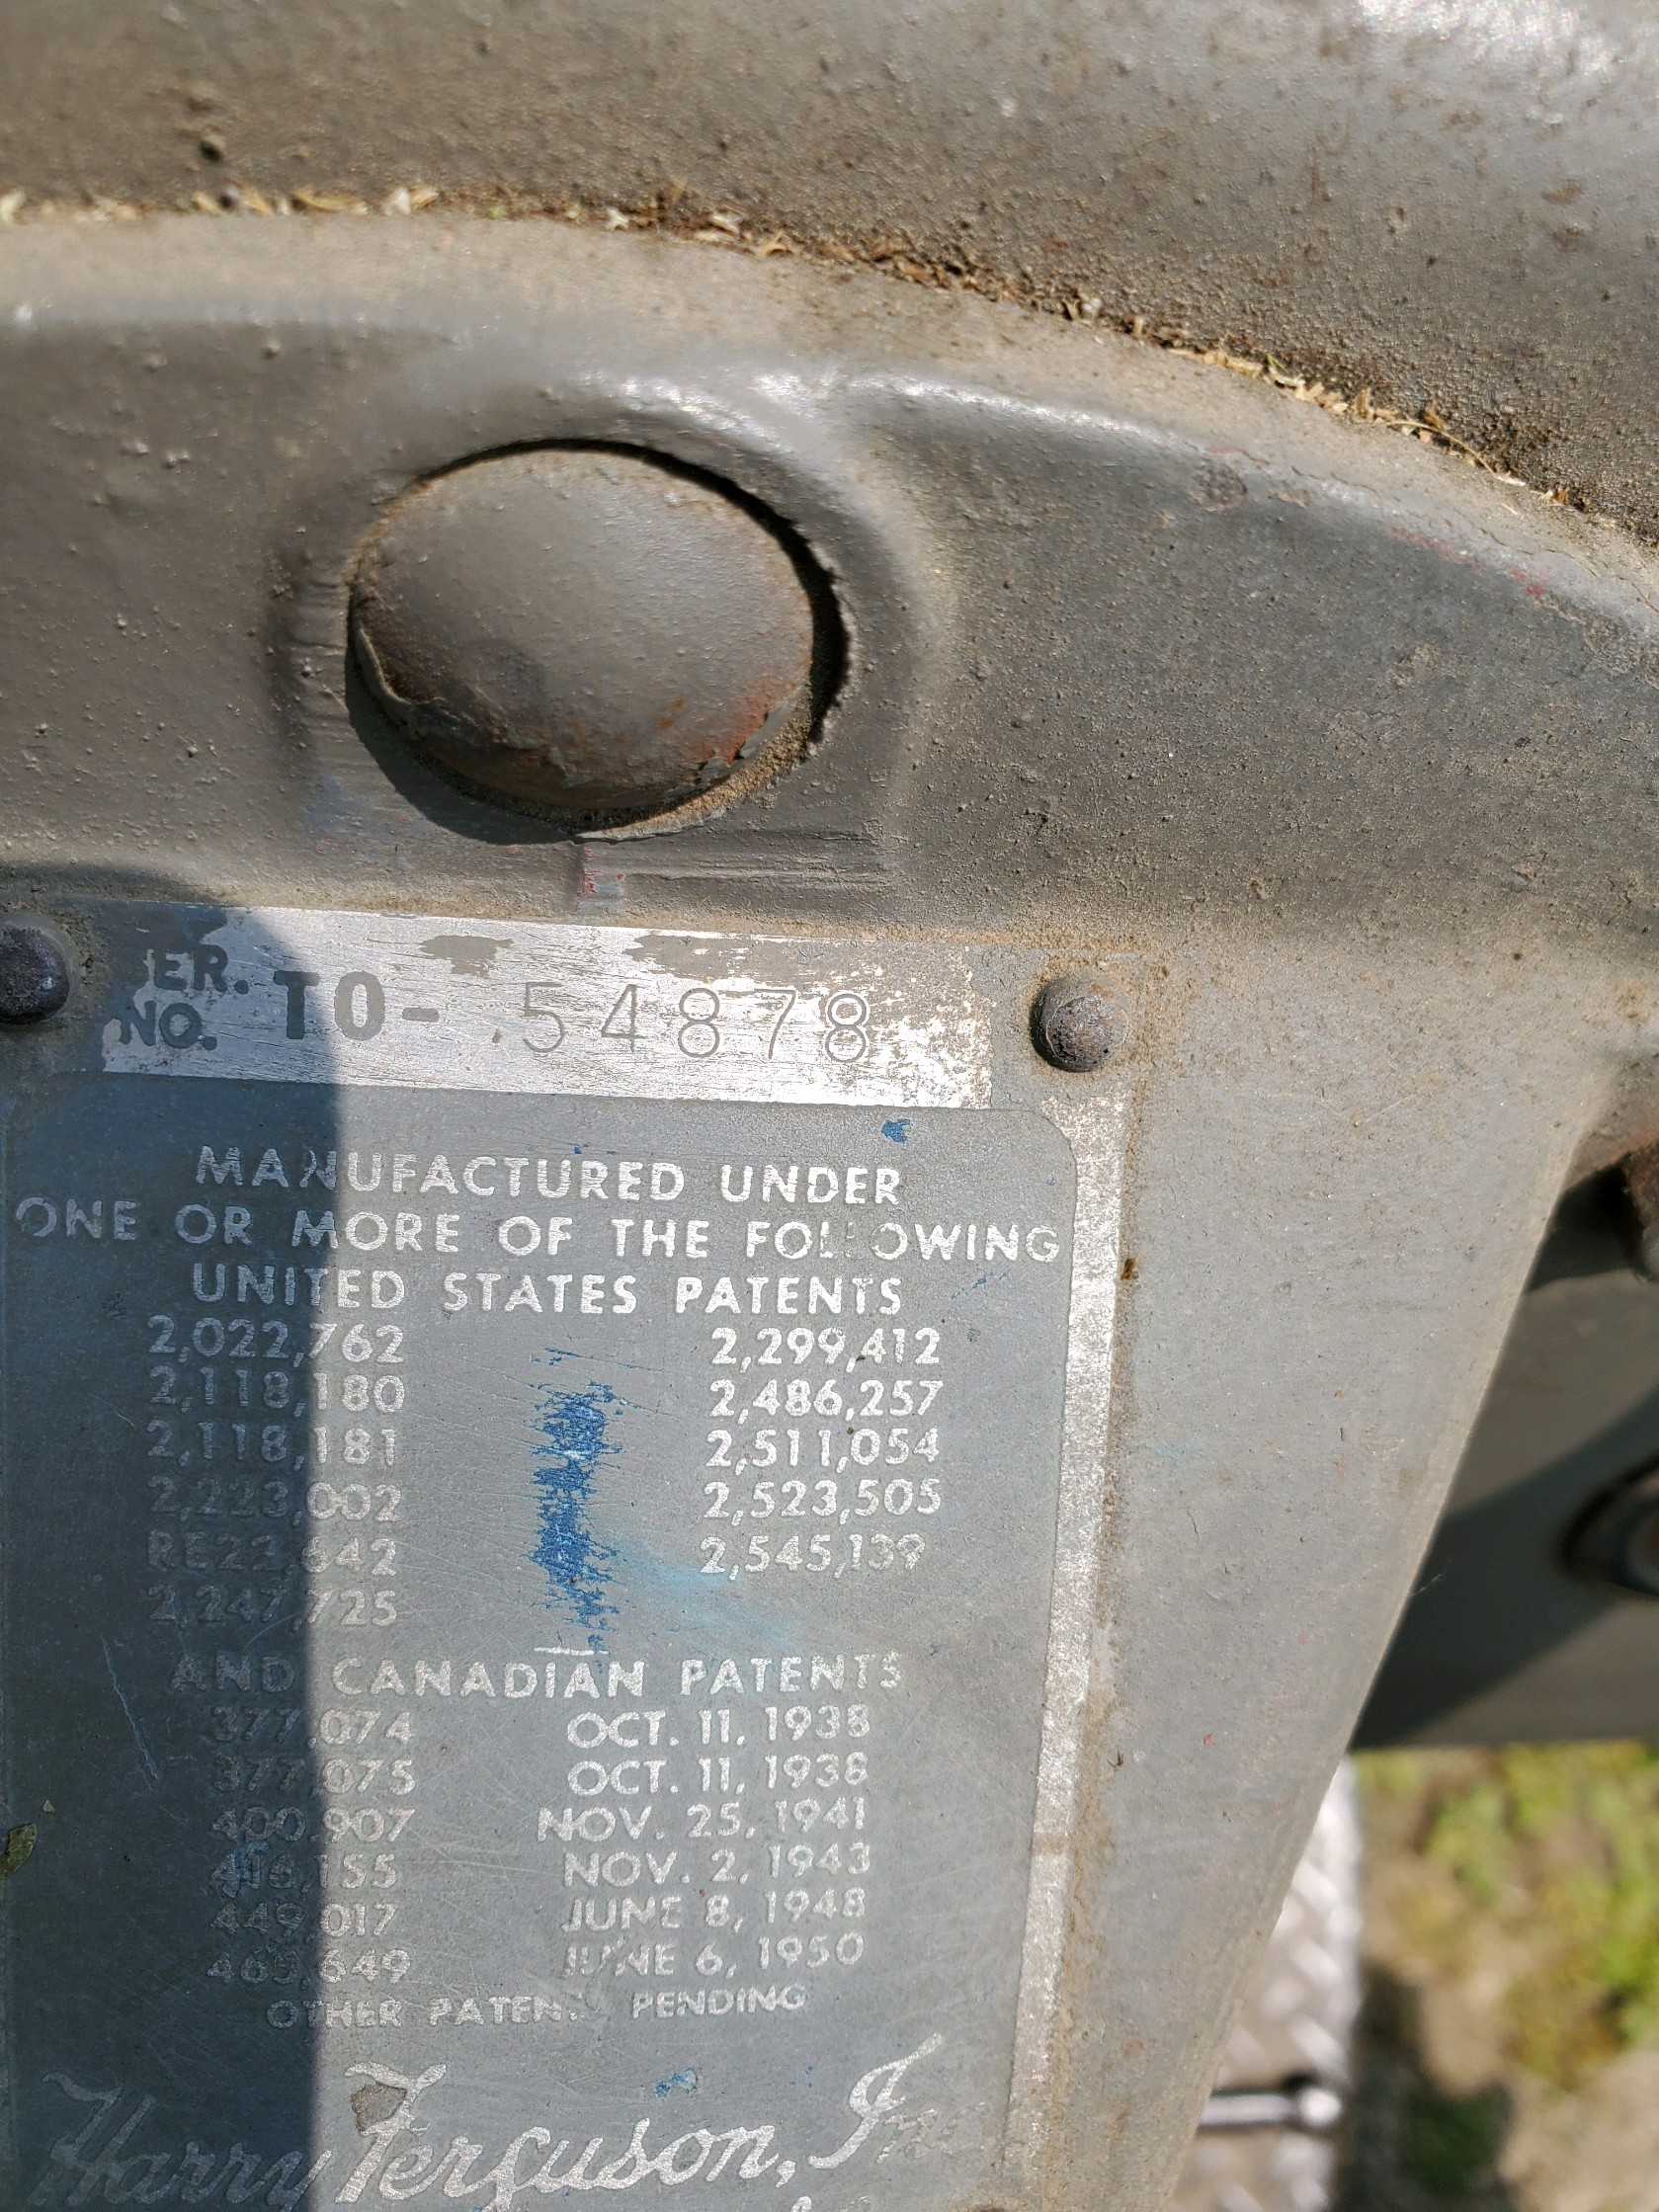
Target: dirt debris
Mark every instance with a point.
(1510, 2045)
(671, 212)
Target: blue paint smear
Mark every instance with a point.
(897, 1131)
(573, 1425)
(685, 2079)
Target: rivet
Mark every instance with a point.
(35, 975)
(1077, 1024)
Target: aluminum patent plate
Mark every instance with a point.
(553, 1478)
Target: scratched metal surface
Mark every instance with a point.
(1445, 201)
(490, 1770)
(1354, 749)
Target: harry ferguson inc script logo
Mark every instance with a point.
(102, 2164)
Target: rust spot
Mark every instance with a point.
(19, 1844)
(374, 2102)
(683, 632)
(1641, 1185)
(1216, 487)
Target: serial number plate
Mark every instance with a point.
(531, 1576)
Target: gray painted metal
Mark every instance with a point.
(1269, 2139)
(1297, 2025)
(1354, 748)
(1449, 204)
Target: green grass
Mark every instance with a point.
(1449, 2143)
(1559, 1844)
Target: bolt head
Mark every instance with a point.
(35, 975)
(590, 635)
(1077, 1024)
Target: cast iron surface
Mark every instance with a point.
(1122, 630)
(585, 632)
(1355, 747)
(1445, 201)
